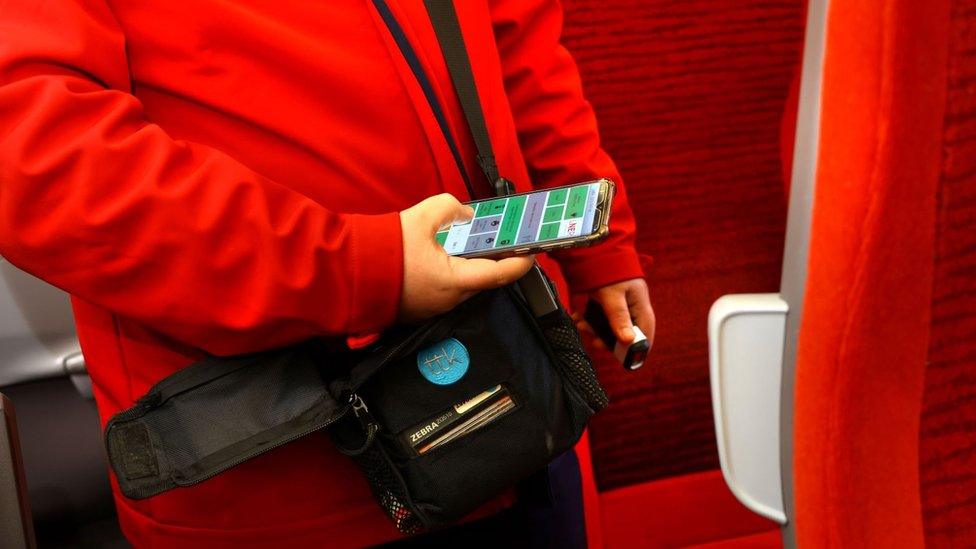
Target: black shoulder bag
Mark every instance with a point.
(440, 417)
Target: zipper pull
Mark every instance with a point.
(362, 411)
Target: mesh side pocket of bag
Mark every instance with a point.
(571, 358)
(388, 488)
(359, 442)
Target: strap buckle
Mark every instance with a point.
(504, 187)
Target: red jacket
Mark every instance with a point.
(218, 176)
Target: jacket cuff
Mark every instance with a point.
(586, 273)
(377, 271)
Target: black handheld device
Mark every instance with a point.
(631, 355)
(538, 292)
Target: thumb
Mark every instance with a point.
(443, 209)
(618, 315)
(484, 274)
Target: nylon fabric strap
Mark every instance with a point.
(444, 19)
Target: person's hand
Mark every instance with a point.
(434, 282)
(622, 302)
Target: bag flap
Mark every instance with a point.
(218, 413)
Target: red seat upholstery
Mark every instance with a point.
(680, 512)
(690, 96)
(947, 446)
(884, 371)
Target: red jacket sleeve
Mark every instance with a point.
(558, 133)
(102, 203)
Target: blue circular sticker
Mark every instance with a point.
(444, 362)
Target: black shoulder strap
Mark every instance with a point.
(537, 487)
(448, 30)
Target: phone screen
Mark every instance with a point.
(523, 219)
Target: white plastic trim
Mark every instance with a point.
(796, 250)
(745, 340)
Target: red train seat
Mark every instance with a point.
(690, 97)
(885, 416)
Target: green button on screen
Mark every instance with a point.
(511, 221)
(553, 214)
(549, 231)
(492, 207)
(557, 197)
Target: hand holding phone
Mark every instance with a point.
(533, 222)
(433, 282)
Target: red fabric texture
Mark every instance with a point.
(864, 337)
(690, 96)
(772, 539)
(217, 177)
(678, 512)
(787, 136)
(947, 444)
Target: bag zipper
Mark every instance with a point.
(348, 385)
(361, 410)
(354, 403)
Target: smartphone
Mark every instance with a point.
(533, 222)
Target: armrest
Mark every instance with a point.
(745, 340)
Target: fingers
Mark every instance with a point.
(584, 327)
(593, 339)
(641, 311)
(468, 295)
(616, 309)
(443, 209)
(643, 315)
(485, 274)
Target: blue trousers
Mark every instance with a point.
(555, 522)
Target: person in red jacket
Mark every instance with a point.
(224, 177)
